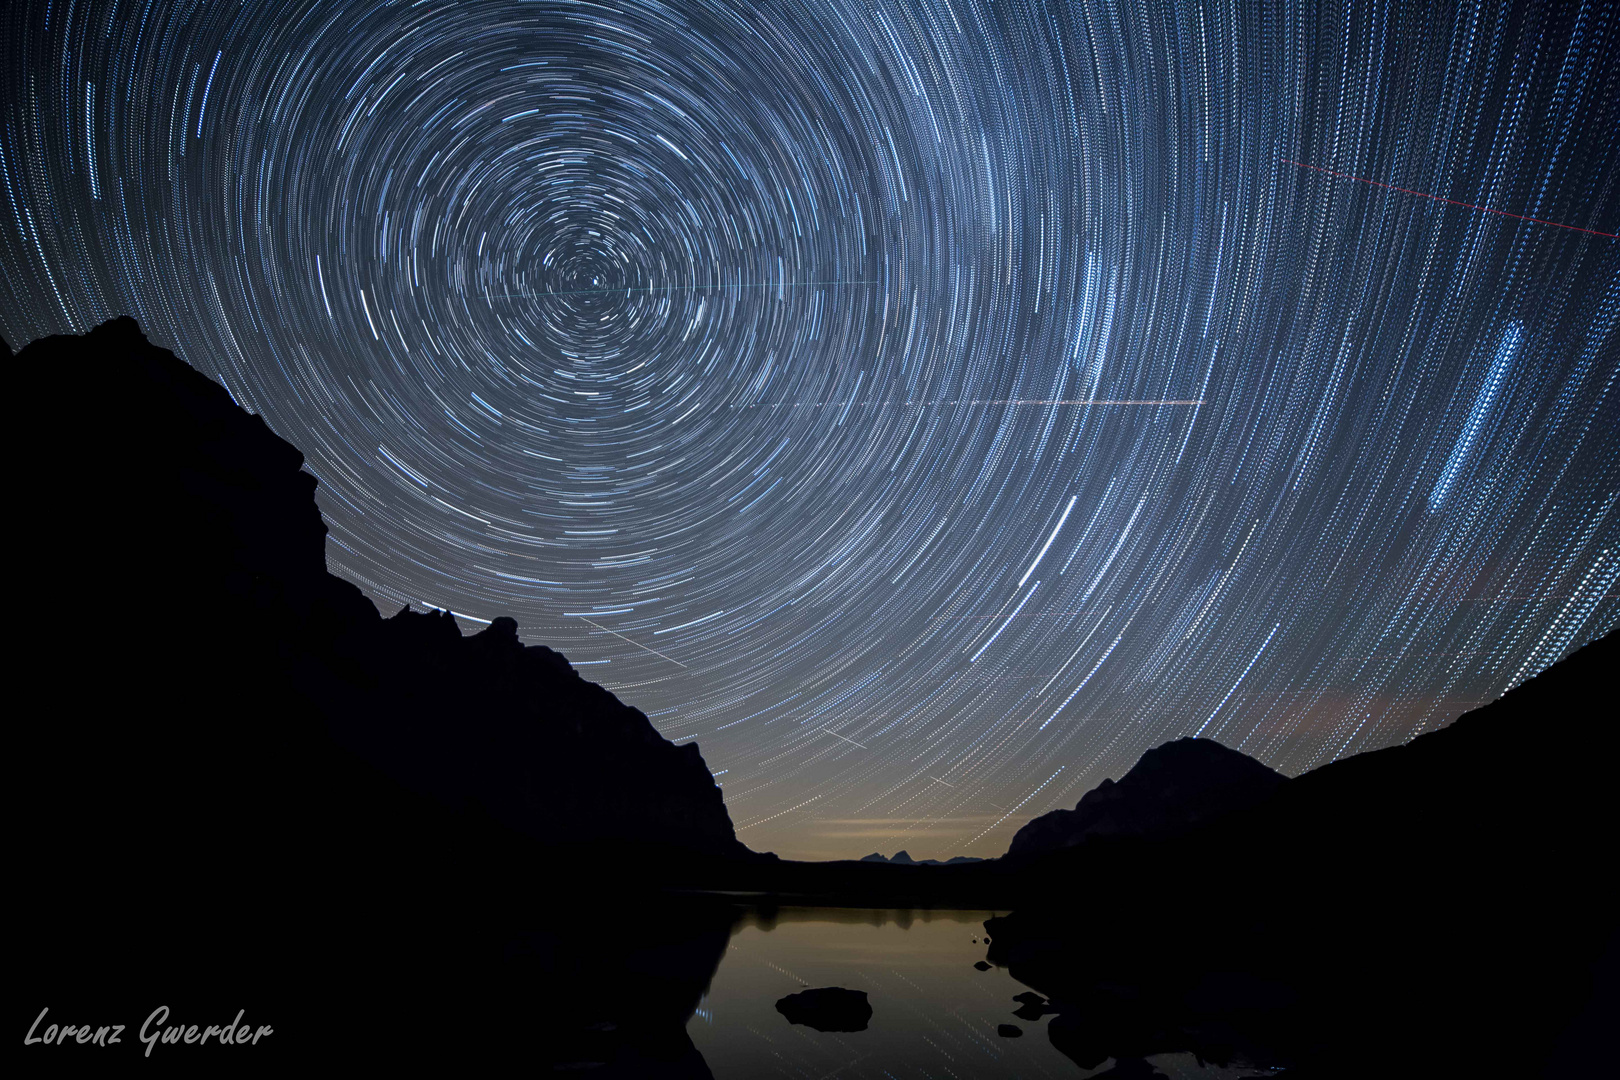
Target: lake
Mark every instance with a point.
(933, 1014)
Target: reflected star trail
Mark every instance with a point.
(1001, 389)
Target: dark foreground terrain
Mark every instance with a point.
(1442, 908)
(239, 786)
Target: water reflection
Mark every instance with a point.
(613, 983)
(934, 1014)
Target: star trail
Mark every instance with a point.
(925, 407)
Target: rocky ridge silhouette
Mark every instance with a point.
(241, 783)
(216, 536)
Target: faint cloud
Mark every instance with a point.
(933, 829)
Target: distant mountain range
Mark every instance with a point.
(900, 858)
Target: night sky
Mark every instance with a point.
(926, 407)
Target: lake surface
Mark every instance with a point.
(933, 1014)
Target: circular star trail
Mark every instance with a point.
(925, 407)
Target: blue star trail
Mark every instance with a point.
(1004, 389)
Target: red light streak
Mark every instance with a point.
(1453, 202)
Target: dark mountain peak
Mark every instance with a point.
(434, 623)
(1189, 764)
(118, 327)
(900, 857)
(1169, 790)
(874, 857)
(502, 631)
(274, 676)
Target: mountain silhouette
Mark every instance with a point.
(1168, 791)
(1428, 909)
(231, 745)
(186, 528)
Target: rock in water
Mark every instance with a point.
(1032, 1006)
(1009, 1031)
(830, 1008)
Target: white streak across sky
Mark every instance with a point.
(925, 407)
